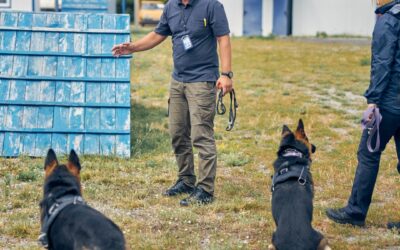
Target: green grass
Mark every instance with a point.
(277, 82)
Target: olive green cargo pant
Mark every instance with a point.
(191, 122)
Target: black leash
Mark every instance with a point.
(221, 109)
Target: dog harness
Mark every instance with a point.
(221, 109)
(52, 213)
(288, 171)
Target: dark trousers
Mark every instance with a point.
(368, 166)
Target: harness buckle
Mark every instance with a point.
(302, 181)
(53, 208)
(43, 240)
(283, 171)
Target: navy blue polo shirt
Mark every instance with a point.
(203, 21)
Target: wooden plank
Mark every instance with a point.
(123, 93)
(92, 118)
(11, 146)
(107, 118)
(32, 91)
(1, 142)
(75, 142)
(123, 145)
(59, 143)
(63, 91)
(13, 117)
(76, 118)
(20, 67)
(92, 144)
(3, 110)
(17, 90)
(45, 117)
(4, 85)
(28, 143)
(107, 144)
(61, 118)
(30, 117)
(93, 93)
(108, 94)
(43, 143)
(6, 65)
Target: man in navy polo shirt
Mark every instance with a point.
(196, 26)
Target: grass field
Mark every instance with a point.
(277, 82)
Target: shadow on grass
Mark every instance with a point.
(149, 130)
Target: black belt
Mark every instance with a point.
(221, 109)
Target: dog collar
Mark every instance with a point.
(52, 213)
(291, 152)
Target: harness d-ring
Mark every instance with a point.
(302, 181)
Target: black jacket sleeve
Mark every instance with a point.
(384, 46)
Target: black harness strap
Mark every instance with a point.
(289, 170)
(52, 213)
(221, 109)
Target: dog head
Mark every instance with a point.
(52, 166)
(60, 179)
(297, 141)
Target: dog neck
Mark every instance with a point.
(61, 183)
(292, 152)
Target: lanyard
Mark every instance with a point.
(183, 21)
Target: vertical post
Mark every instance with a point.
(56, 6)
(33, 5)
(136, 13)
(123, 6)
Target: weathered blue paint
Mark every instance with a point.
(282, 25)
(61, 87)
(252, 20)
(84, 6)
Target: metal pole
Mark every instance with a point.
(57, 7)
(33, 5)
(123, 6)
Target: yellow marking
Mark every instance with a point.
(205, 22)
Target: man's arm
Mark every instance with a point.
(150, 41)
(225, 54)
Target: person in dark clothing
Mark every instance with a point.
(383, 93)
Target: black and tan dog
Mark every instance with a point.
(292, 194)
(67, 222)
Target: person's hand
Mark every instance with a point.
(225, 83)
(123, 49)
(369, 112)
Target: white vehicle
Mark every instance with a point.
(49, 5)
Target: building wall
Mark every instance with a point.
(23, 5)
(268, 15)
(234, 12)
(355, 17)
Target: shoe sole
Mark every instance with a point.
(353, 223)
(176, 194)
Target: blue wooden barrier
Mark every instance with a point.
(61, 87)
(84, 6)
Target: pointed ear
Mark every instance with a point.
(51, 162)
(300, 133)
(73, 162)
(286, 130)
(313, 148)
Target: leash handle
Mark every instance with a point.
(373, 130)
(221, 109)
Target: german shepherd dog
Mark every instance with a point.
(292, 194)
(67, 222)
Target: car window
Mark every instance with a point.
(152, 6)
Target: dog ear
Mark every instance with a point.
(313, 148)
(286, 130)
(73, 164)
(300, 133)
(50, 162)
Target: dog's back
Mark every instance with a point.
(82, 227)
(292, 210)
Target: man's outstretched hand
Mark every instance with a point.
(123, 49)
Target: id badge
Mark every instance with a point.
(187, 43)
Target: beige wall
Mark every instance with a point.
(23, 5)
(355, 17)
